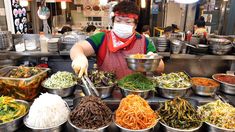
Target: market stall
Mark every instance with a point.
(40, 91)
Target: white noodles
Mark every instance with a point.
(46, 111)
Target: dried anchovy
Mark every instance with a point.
(91, 113)
(179, 113)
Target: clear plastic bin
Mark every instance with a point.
(21, 88)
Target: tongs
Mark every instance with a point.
(89, 88)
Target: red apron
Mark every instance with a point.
(115, 61)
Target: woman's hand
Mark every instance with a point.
(80, 65)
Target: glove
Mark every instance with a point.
(151, 54)
(80, 65)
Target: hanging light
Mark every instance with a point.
(186, 1)
(143, 4)
(53, 1)
(24, 3)
(63, 5)
(103, 2)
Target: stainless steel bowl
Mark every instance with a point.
(176, 46)
(142, 93)
(167, 128)
(146, 64)
(225, 87)
(104, 92)
(228, 89)
(221, 41)
(203, 90)
(76, 129)
(221, 49)
(49, 129)
(214, 128)
(150, 129)
(16, 123)
(63, 92)
(172, 92)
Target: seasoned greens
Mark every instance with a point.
(179, 113)
(136, 81)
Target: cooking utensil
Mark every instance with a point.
(176, 46)
(145, 64)
(104, 92)
(44, 13)
(204, 90)
(89, 87)
(214, 128)
(63, 92)
(167, 128)
(16, 123)
(172, 92)
(150, 129)
(225, 87)
(57, 128)
(77, 129)
(142, 93)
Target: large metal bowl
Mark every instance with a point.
(146, 64)
(16, 123)
(203, 90)
(63, 92)
(167, 128)
(104, 92)
(213, 128)
(172, 92)
(176, 46)
(57, 128)
(76, 129)
(221, 49)
(142, 93)
(225, 87)
(150, 129)
(220, 41)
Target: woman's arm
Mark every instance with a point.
(81, 48)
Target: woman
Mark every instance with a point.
(111, 47)
(146, 31)
(200, 27)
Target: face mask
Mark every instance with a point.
(123, 30)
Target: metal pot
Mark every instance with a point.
(176, 46)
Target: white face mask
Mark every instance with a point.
(123, 30)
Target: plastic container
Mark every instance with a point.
(21, 88)
(43, 43)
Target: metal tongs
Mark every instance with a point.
(89, 88)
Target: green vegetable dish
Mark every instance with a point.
(173, 80)
(10, 109)
(60, 80)
(136, 81)
(179, 113)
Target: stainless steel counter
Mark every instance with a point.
(13, 54)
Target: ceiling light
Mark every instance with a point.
(186, 1)
(143, 4)
(24, 3)
(63, 5)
